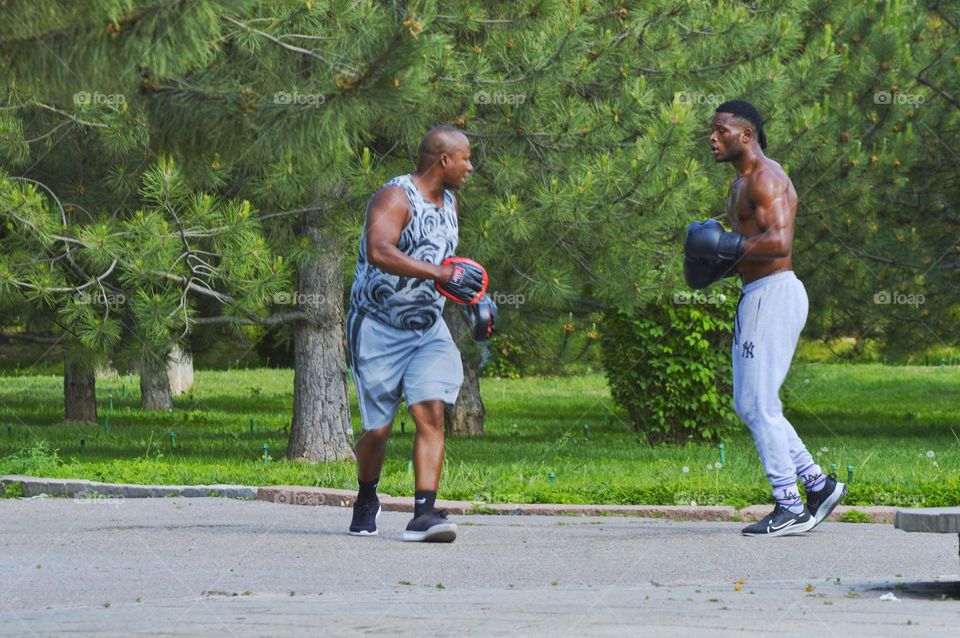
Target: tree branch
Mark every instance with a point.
(272, 320)
(277, 41)
(923, 80)
(32, 338)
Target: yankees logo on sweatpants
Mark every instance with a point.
(770, 317)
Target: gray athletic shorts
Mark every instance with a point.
(387, 362)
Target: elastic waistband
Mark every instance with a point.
(776, 277)
(361, 315)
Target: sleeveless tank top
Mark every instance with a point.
(431, 235)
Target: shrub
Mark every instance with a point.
(668, 364)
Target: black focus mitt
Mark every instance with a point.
(467, 283)
(481, 318)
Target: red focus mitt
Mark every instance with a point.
(467, 283)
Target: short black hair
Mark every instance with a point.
(747, 111)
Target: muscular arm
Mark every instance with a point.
(774, 215)
(387, 215)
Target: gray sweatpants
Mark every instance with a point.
(769, 319)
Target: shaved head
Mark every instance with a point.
(445, 157)
(441, 139)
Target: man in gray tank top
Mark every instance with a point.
(399, 343)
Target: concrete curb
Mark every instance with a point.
(79, 488)
(937, 520)
(300, 495)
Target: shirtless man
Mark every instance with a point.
(761, 208)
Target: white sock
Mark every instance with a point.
(789, 497)
(812, 477)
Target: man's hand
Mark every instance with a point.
(461, 280)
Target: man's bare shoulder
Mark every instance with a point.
(389, 196)
(768, 180)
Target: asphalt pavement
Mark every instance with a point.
(223, 567)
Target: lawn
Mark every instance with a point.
(547, 440)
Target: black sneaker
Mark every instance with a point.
(365, 515)
(432, 527)
(822, 502)
(781, 522)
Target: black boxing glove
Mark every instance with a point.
(708, 241)
(699, 274)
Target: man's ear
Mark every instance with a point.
(746, 134)
(443, 160)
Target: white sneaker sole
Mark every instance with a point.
(799, 528)
(828, 505)
(442, 533)
(375, 531)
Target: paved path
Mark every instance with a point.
(213, 566)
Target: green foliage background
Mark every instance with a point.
(588, 123)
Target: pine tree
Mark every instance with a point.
(588, 123)
(880, 181)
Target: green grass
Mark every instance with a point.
(884, 421)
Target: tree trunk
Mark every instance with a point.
(320, 430)
(154, 384)
(180, 372)
(79, 391)
(465, 417)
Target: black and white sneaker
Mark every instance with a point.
(365, 515)
(432, 527)
(781, 522)
(824, 500)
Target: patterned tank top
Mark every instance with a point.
(431, 235)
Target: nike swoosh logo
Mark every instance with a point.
(420, 501)
(777, 528)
